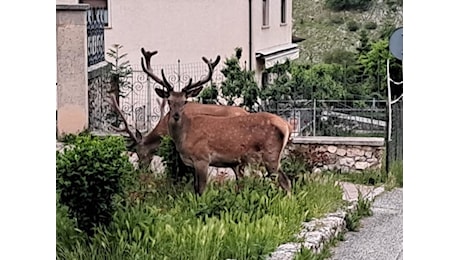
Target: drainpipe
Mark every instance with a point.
(250, 35)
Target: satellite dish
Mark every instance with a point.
(396, 43)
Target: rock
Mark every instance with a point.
(321, 149)
(361, 165)
(133, 159)
(332, 148)
(341, 152)
(354, 152)
(157, 165)
(360, 159)
(372, 161)
(368, 154)
(347, 161)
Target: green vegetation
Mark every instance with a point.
(88, 176)
(363, 209)
(153, 218)
(392, 179)
(353, 26)
(325, 29)
(341, 5)
(239, 83)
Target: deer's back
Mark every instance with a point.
(232, 138)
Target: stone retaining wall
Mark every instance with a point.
(341, 154)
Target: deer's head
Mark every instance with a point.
(144, 152)
(176, 99)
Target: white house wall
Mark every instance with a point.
(179, 29)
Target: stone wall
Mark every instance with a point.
(340, 154)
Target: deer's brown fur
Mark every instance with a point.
(206, 140)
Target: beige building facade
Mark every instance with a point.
(188, 30)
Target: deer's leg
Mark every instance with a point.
(201, 176)
(238, 170)
(284, 182)
(182, 168)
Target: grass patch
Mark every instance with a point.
(169, 222)
(395, 175)
(363, 209)
(366, 177)
(307, 254)
(390, 180)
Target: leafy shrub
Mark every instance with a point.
(370, 25)
(89, 176)
(340, 56)
(337, 19)
(353, 26)
(342, 5)
(70, 138)
(66, 234)
(295, 165)
(353, 218)
(239, 82)
(174, 168)
(209, 94)
(167, 151)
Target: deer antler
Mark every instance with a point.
(148, 69)
(113, 102)
(211, 66)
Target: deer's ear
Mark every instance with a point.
(193, 92)
(161, 93)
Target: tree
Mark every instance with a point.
(374, 64)
(239, 83)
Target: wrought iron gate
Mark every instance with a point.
(138, 100)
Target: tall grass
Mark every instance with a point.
(173, 223)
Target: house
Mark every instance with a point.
(187, 30)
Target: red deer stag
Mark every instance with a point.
(205, 140)
(146, 146)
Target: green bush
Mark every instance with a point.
(370, 25)
(70, 138)
(340, 56)
(353, 26)
(89, 176)
(67, 235)
(294, 165)
(337, 19)
(342, 5)
(167, 151)
(174, 168)
(209, 94)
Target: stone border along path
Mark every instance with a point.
(316, 233)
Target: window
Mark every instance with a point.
(265, 12)
(283, 11)
(99, 8)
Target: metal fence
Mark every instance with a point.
(138, 101)
(95, 18)
(333, 117)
